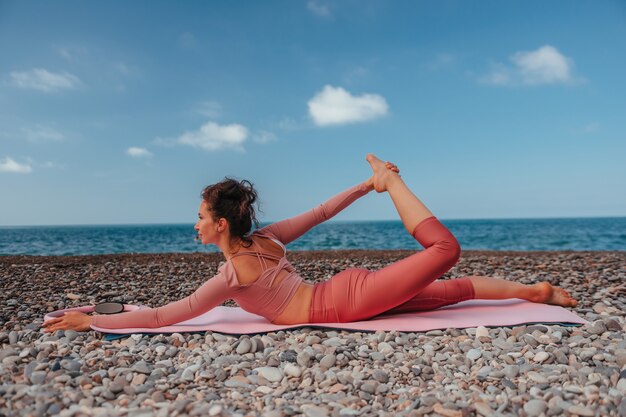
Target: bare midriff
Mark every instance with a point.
(297, 310)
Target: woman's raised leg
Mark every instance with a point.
(411, 210)
(360, 294)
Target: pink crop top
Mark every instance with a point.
(257, 297)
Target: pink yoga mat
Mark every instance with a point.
(471, 313)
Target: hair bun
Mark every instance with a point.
(233, 200)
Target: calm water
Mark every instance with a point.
(603, 234)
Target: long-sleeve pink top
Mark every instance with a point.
(257, 297)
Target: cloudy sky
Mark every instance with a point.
(121, 112)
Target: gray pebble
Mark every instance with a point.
(535, 407)
(328, 361)
(244, 346)
(70, 365)
(37, 377)
(289, 355)
(189, 374)
(474, 354)
(142, 367)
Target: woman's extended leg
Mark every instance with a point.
(447, 292)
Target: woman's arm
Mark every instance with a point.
(290, 229)
(211, 294)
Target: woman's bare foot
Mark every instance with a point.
(382, 174)
(548, 294)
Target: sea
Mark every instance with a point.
(550, 234)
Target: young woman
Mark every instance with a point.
(259, 278)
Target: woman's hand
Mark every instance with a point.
(388, 165)
(71, 320)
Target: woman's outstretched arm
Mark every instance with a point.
(211, 294)
(292, 228)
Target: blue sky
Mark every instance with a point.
(121, 112)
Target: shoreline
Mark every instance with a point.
(334, 253)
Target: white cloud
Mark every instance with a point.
(9, 165)
(545, 65)
(317, 8)
(44, 80)
(263, 136)
(40, 134)
(212, 137)
(138, 152)
(334, 105)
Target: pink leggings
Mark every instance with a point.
(404, 286)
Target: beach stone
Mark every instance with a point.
(612, 324)
(622, 408)
(482, 331)
(369, 387)
(238, 381)
(215, 410)
(581, 411)
(53, 409)
(474, 354)
(483, 409)
(289, 355)
(541, 357)
(244, 346)
(270, 373)
(70, 365)
(573, 389)
(71, 334)
(304, 359)
(380, 376)
(37, 377)
(509, 384)
(597, 327)
(560, 357)
(537, 327)
(314, 411)
(189, 374)
(537, 377)
(142, 367)
(385, 348)
(621, 386)
(29, 368)
(535, 407)
(328, 361)
(13, 336)
(292, 370)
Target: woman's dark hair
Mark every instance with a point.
(232, 200)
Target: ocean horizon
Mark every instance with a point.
(530, 234)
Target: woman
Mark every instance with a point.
(259, 278)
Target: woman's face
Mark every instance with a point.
(205, 226)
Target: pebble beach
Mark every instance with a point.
(525, 370)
